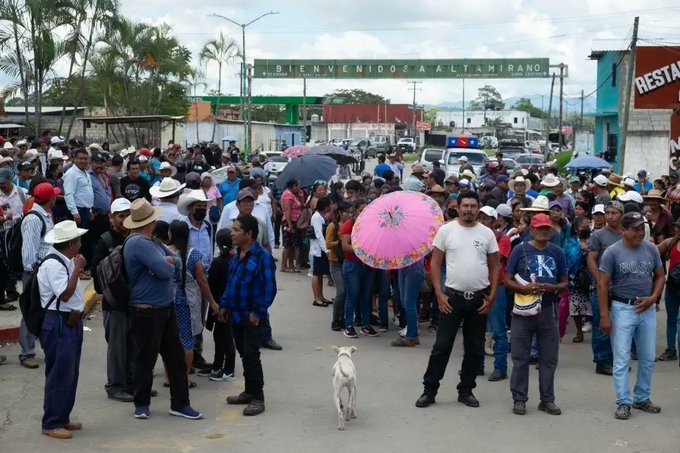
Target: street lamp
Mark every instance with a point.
(243, 70)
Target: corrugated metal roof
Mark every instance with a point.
(47, 110)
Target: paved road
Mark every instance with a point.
(300, 415)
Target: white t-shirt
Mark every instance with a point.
(466, 250)
(53, 280)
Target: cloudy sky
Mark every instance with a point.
(563, 31)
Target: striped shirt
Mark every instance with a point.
(34, 248)
(251, 284)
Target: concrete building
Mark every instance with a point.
(264, 136)
(648, 130)
(474, 119)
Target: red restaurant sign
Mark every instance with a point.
(657, 77)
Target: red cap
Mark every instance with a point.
(540, 220)
(145, 152)
(44, 191)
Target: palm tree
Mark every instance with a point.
(222, 51)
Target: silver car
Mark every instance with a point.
(477, 158)
(430, 155)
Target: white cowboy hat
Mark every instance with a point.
(128, 151)
(189, 198)
(95, 147)
(550, 180)
(21, 143)
(8, 145)
(168, 166)
(64, 232)
(519, 180)
(540, 204)
(631, 195)
(5, 160)
(166, 188)
(58, 154)
(141, 214)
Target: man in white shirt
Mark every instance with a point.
(260, 212)
(62, 330)
(168, 192)
(472, 273)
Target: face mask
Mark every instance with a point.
(584, 234)
(199, 214)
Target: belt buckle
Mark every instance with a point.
(468, 295)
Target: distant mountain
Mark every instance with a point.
(569, 105)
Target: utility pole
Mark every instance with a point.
(547, 123)
(414, 89)
(463, 120)
(580, 121)
(628, 93)
(304, 111)
(559, 141)
(250, 110)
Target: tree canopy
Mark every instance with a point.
(488, 98)
(357, 96)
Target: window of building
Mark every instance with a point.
(515, 120)
(469, 120)
(614, 68)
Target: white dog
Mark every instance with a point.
(344, 376)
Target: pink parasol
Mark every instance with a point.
(294, 151)
(396, 230)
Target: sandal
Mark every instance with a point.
(577, 339)
(192, 384)
(319, 304)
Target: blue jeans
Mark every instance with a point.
(626, 326)
(410, 281)
(672, 298)
(383, 296)
(499, 329)
(358, 280)
(602, 346)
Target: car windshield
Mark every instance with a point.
(511, 151)
(536, 159)
(273, 154)
(406, 140)
(473, 158)
(278, 159)
(432, 155)
(356, 142)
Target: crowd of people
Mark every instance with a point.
(538, 248)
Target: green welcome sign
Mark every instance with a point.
(473, 68)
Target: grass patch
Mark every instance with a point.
(410, 157)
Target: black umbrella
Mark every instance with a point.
(341, 156)
(307, 169)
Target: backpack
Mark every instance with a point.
(14, 242)
(29, 300)
(112, 280)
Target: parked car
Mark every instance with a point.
(527, 161)
(430, 155)
(271, 154)
(510, 164)
(451, 161)
(363, 147)
(407, 144)
(511, 152)
(381, 143)
(275, 166)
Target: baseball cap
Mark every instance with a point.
(631, 195)
(120, 205)
(463, 158)
(25, 166)
(464, 183)
(574, 179)
(245, 193)
(6, 174)
(98, 158)
(503, 210)
(145, 152)
(642, 173)
(488, 210)
(601, 180)
(44, 191)
(56, 140)
(554, 204)
(616, 205)
(502, 178)
(632, 220)
(540, 221)
(598, 209)
(223, 239)
(143, 158)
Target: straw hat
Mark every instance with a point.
(141, 214)
(518, 180)
(168, 166)
(551, 180)
(540, 204)
(166, 188)
(190, 198)
(654, 194)
(95, 147)
(467, 173)
(437, 189)
(64, 232)
(127, 151)
(614, 180)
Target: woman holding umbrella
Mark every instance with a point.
(292, 207)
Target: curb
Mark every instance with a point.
(11, 334)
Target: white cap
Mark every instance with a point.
(120, 205)
(491, 212)
(601, 180)
(504, 210)
(143, 158)
(463, 158)
(56, 139)
(629, 182)
(598, 209)
(631, 195)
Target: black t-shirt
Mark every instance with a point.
(132, 189)
(234, 153)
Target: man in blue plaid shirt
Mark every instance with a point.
(250, 290)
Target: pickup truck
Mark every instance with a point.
(407, 144)
(364, 147)
(382, 143)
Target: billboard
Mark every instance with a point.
(472, 68)
(657, 77)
